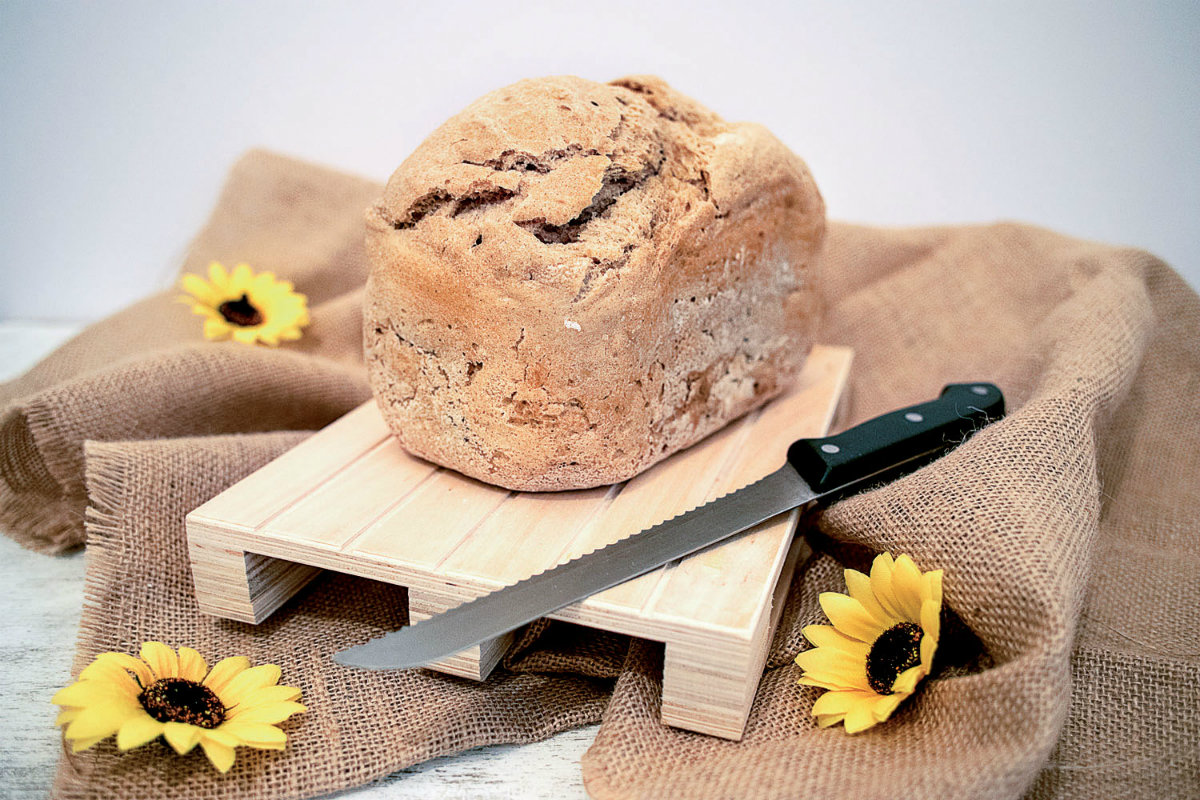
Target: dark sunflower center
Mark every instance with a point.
(181, 700)
(241, 312)
(897, 649)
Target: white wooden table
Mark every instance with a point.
(40, 599)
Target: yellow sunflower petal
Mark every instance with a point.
(933, 586)
(881, 584)
(931, 626)
(931, 619)
(219, 736)
(907, 585)
(907, 681)
(224, 671)
(834, 680)
(255, 734)
(270, 713)
(138, 730)
(829, 636)
(860, 718)
(191, 665)
(218, 277)
(83, 694)
(278, 288)
(825, 720)
(264, 283)
(842, 702)
(100, 720)
(220, 755)
(79, 745)
(830, 661)
(115, 672)
(181, 736)
(133, 664)
(281, 303)
(884, 705)
(65, 716)
(808, 680)
(270, 694)
(216, 328)
(849, 617)
(203, 310)
(928, 649)
(263, 697)
(243, 335)
(240, 687)
(199, 288)
(859, 587)
(161, 659)
(240, 279)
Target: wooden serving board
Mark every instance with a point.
(350, 499)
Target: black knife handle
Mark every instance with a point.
(896, 442)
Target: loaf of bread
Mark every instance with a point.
(572, 280)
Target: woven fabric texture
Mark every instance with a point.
(1068, 531)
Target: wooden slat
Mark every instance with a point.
(353, 498)
(526, 534)
(249, 503)
(428, 524)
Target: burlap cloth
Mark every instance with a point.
(1068, 531)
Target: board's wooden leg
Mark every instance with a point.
(475, 662)
(234, 584)
(709, 691)
(709, 683)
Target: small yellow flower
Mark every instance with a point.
(246, 307)
(177, 697)
(880, 646)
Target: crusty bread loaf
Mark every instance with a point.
(572, 280)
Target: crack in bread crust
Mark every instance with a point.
(616, 183)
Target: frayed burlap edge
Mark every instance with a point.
(37, 509)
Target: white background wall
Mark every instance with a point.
(119, 119)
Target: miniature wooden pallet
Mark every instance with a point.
(350, 499)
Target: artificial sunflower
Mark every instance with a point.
(880, 646)
(244, 306)
(177, 697)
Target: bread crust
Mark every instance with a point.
(571, 280)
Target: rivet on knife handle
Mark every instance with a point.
(901, 440)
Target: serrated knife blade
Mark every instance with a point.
(487, 616)
(816, 469)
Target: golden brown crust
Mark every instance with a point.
(572, 280)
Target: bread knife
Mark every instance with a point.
(817, 470)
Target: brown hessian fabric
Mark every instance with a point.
(1068, 531)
